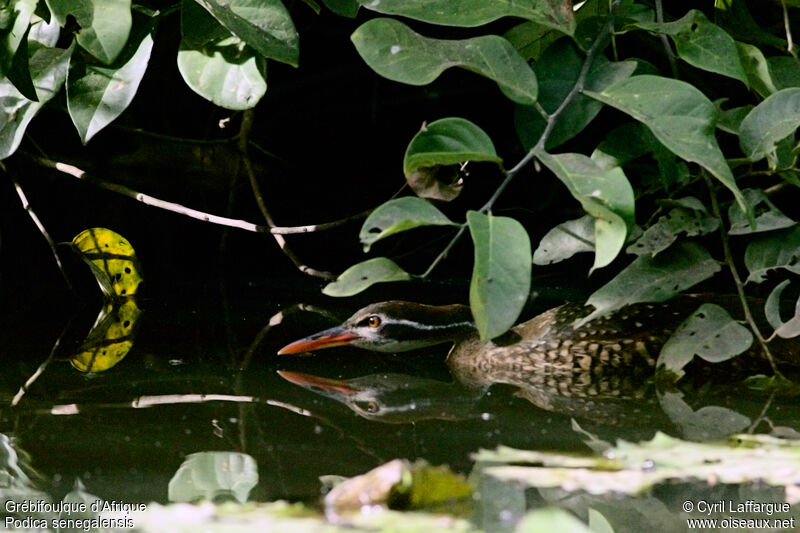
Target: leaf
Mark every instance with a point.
(227, 75)
(756, 69)
(398, 215)
(556, 14)
(730, 120)
(112, 260)
(667, 228)
(551, 519)
(441, 144)
(557, 70)
(501, 275)
(209, 476)
(679, 115)
(110, 339)
(784, 71)
(653, 279)
(48, 70)
(709, 423)
(365, 274)
(344, 8)
(778, 249)
(398, 53)
(105, 24)
(566, 240)
(622, 145)
(790, 328)
(265, 25)
(709, 333)
(604, 194)
(702, 44)
(14, 46)
(769, 122)
(97, 95)
(767, 216)
(530, 39)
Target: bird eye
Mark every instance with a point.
(374, 321)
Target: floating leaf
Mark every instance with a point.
(362, 275)
(767, 216)
(501, 275)
(769, 122)
(265, 25)
(709, 333)
(557, 70)
(110, 339)
(665, 231)
(653, 279)
(553, 13)
(97, 95)
(207, 476)
(679, 115)
(112, 260)
(565, 240)
(396, 52)
(605, 194)
(398, 215)
(105, 24)
(702, 44)
(779, 249)
(551, 519)
(441, 145)
(790, 328)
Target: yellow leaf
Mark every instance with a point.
(110, 339)
(112, 260)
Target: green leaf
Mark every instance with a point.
(206, 476)
(48, 70)
(344, 8)
(778, 249)
(530, 39)
(199, 27)
(440, 144)
(735, 18)
(667, 228)
(784, 71)
(709, 423)
(501, 275)
(565, 240)
(731, 120)
(398, 215)
(105, 24)
(756, 68)
(653, 279)
(14, 47)
(769, 122)
(622, 145)
(365, 274)
(97, 95)
(557, 71)
(768, 217)
(604, 194)
(469, 13)
(790, 328)
(702, 44)
(265, 25)
(681, 118)
(227, 74)
(709, 333)
(551, 519)
(396, 52)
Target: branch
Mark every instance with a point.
(27, 207)
(665, 42)
(735, 274)
(244, 133)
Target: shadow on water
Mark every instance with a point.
(200, 374)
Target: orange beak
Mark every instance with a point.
(324, 339)
(326, 384)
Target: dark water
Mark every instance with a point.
(218, 342)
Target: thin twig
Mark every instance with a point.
(551, 118)
(42, 367)
(788, 28)
(186, 211)
(174, 139)
(726, 247)
(244, 133)
(28, 209)
(665, 42)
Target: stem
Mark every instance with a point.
(551, 118)
(788, 28)
(726, 247)
(665, 42)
